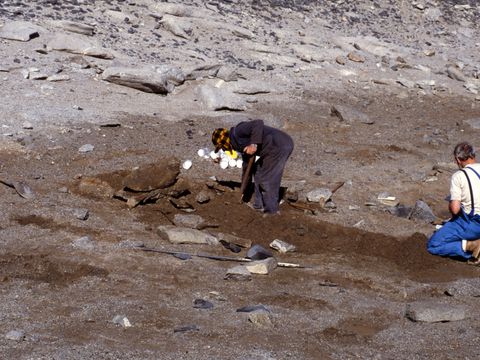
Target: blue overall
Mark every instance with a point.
(447, 241)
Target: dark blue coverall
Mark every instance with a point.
(274, 148)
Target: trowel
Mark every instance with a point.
(20, 187)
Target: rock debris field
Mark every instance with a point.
(121, 238)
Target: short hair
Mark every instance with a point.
(464, 151)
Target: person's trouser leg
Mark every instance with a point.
(447, 241)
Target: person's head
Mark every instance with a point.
(464, 152)
(221, 139)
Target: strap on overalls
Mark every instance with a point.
(472, 212)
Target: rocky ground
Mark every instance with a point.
(102, 102)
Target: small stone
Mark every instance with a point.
(189, 221)
(422, 212)
(64, 190)
(122, 320)
(27, 125)
(81, 214)
(455, 73)
(238, 273)
(76, 107)
(282, 246)
(385, 199)
(58, 77)
(260, 319)
(128, 244)
(258, 252)
(15, 335)
(202, 197)
(355, 57)
(320, 195)
(86, 148)
(340, 60)
(37, 76)
(252, 308)
(85, 243)
(202, 304)
(262, 267)
(429, 52)
(432, 312)
(182, 235)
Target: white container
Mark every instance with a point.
(201, 152)
(239, 163)
(232, 163)
(187, 164)
(224, 163)
(213, 155)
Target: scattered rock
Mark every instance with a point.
(432, 312)
(177, 26)
(75, 27)
(422, 212)
(20, 31)
(122, 320)
(86, 148)
(160, 175)
(96, 187)
(202, 71)
(186, 328)
(85, 243)
(355, 57)
(252, 308)
(58, 77)
(15, 335)
(429, 52)
(203, 197)
(81, 214)
(386, 199)
(202, 304)
(189, 221)
(262, 267)
(27, 125)
(258, 252)
(181, 235)
(232, 239)
(261, 319)
(77, 44)
(282, 246)
(341, 60)
(158, 80)
(350, 115)
(320, 195)
(129, 244)
(238, 273)
(455, 73)
(220, 99)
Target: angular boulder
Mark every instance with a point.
(161, 80)
(78, 44)
(181, 235)
(20, 31)
(150, 177)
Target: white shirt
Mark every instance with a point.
(459, 189)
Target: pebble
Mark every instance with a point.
(262, 267)
(187, 164)
(258, 252)
(15, 335)
(85, 243)
(203, 197)
(122, 320)
(282, 246)
(238, 273)
(81, 214)
(260, 319)
(86, 148)
(202, 304)
(27, 125)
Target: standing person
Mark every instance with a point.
(273, 146)
(458, 237)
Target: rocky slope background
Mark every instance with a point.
(103, 101)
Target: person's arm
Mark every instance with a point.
(454, 206)
(455, 203)
(253, 130)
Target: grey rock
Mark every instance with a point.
(122, 320)
(228, 74)
(474, 123)
(252, 308)
(187, 220)
(58, 77)
(202, 304)
(238, 273)
(250, 88)
(78, 44)
(15, 335)
(81, 214)
(430, 311)
(355, 57)
(262, 267)
(20, 31)
(432, 14)
(232, 239)
(202, 71)
(203, 197)
(161, 80)
(422, 212)
(177, 26)
(27, 125)
(282, 246)
(75, 27)
(37, 76)
(473, 88)
(86, 148)
(320, 195)
(405, 82)
(128, 244)
(455, 73)
(258, 252)
(181, 235)
(220, 99)
(464, 288)
(350, 115)
(85, 243)
(260, 319)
